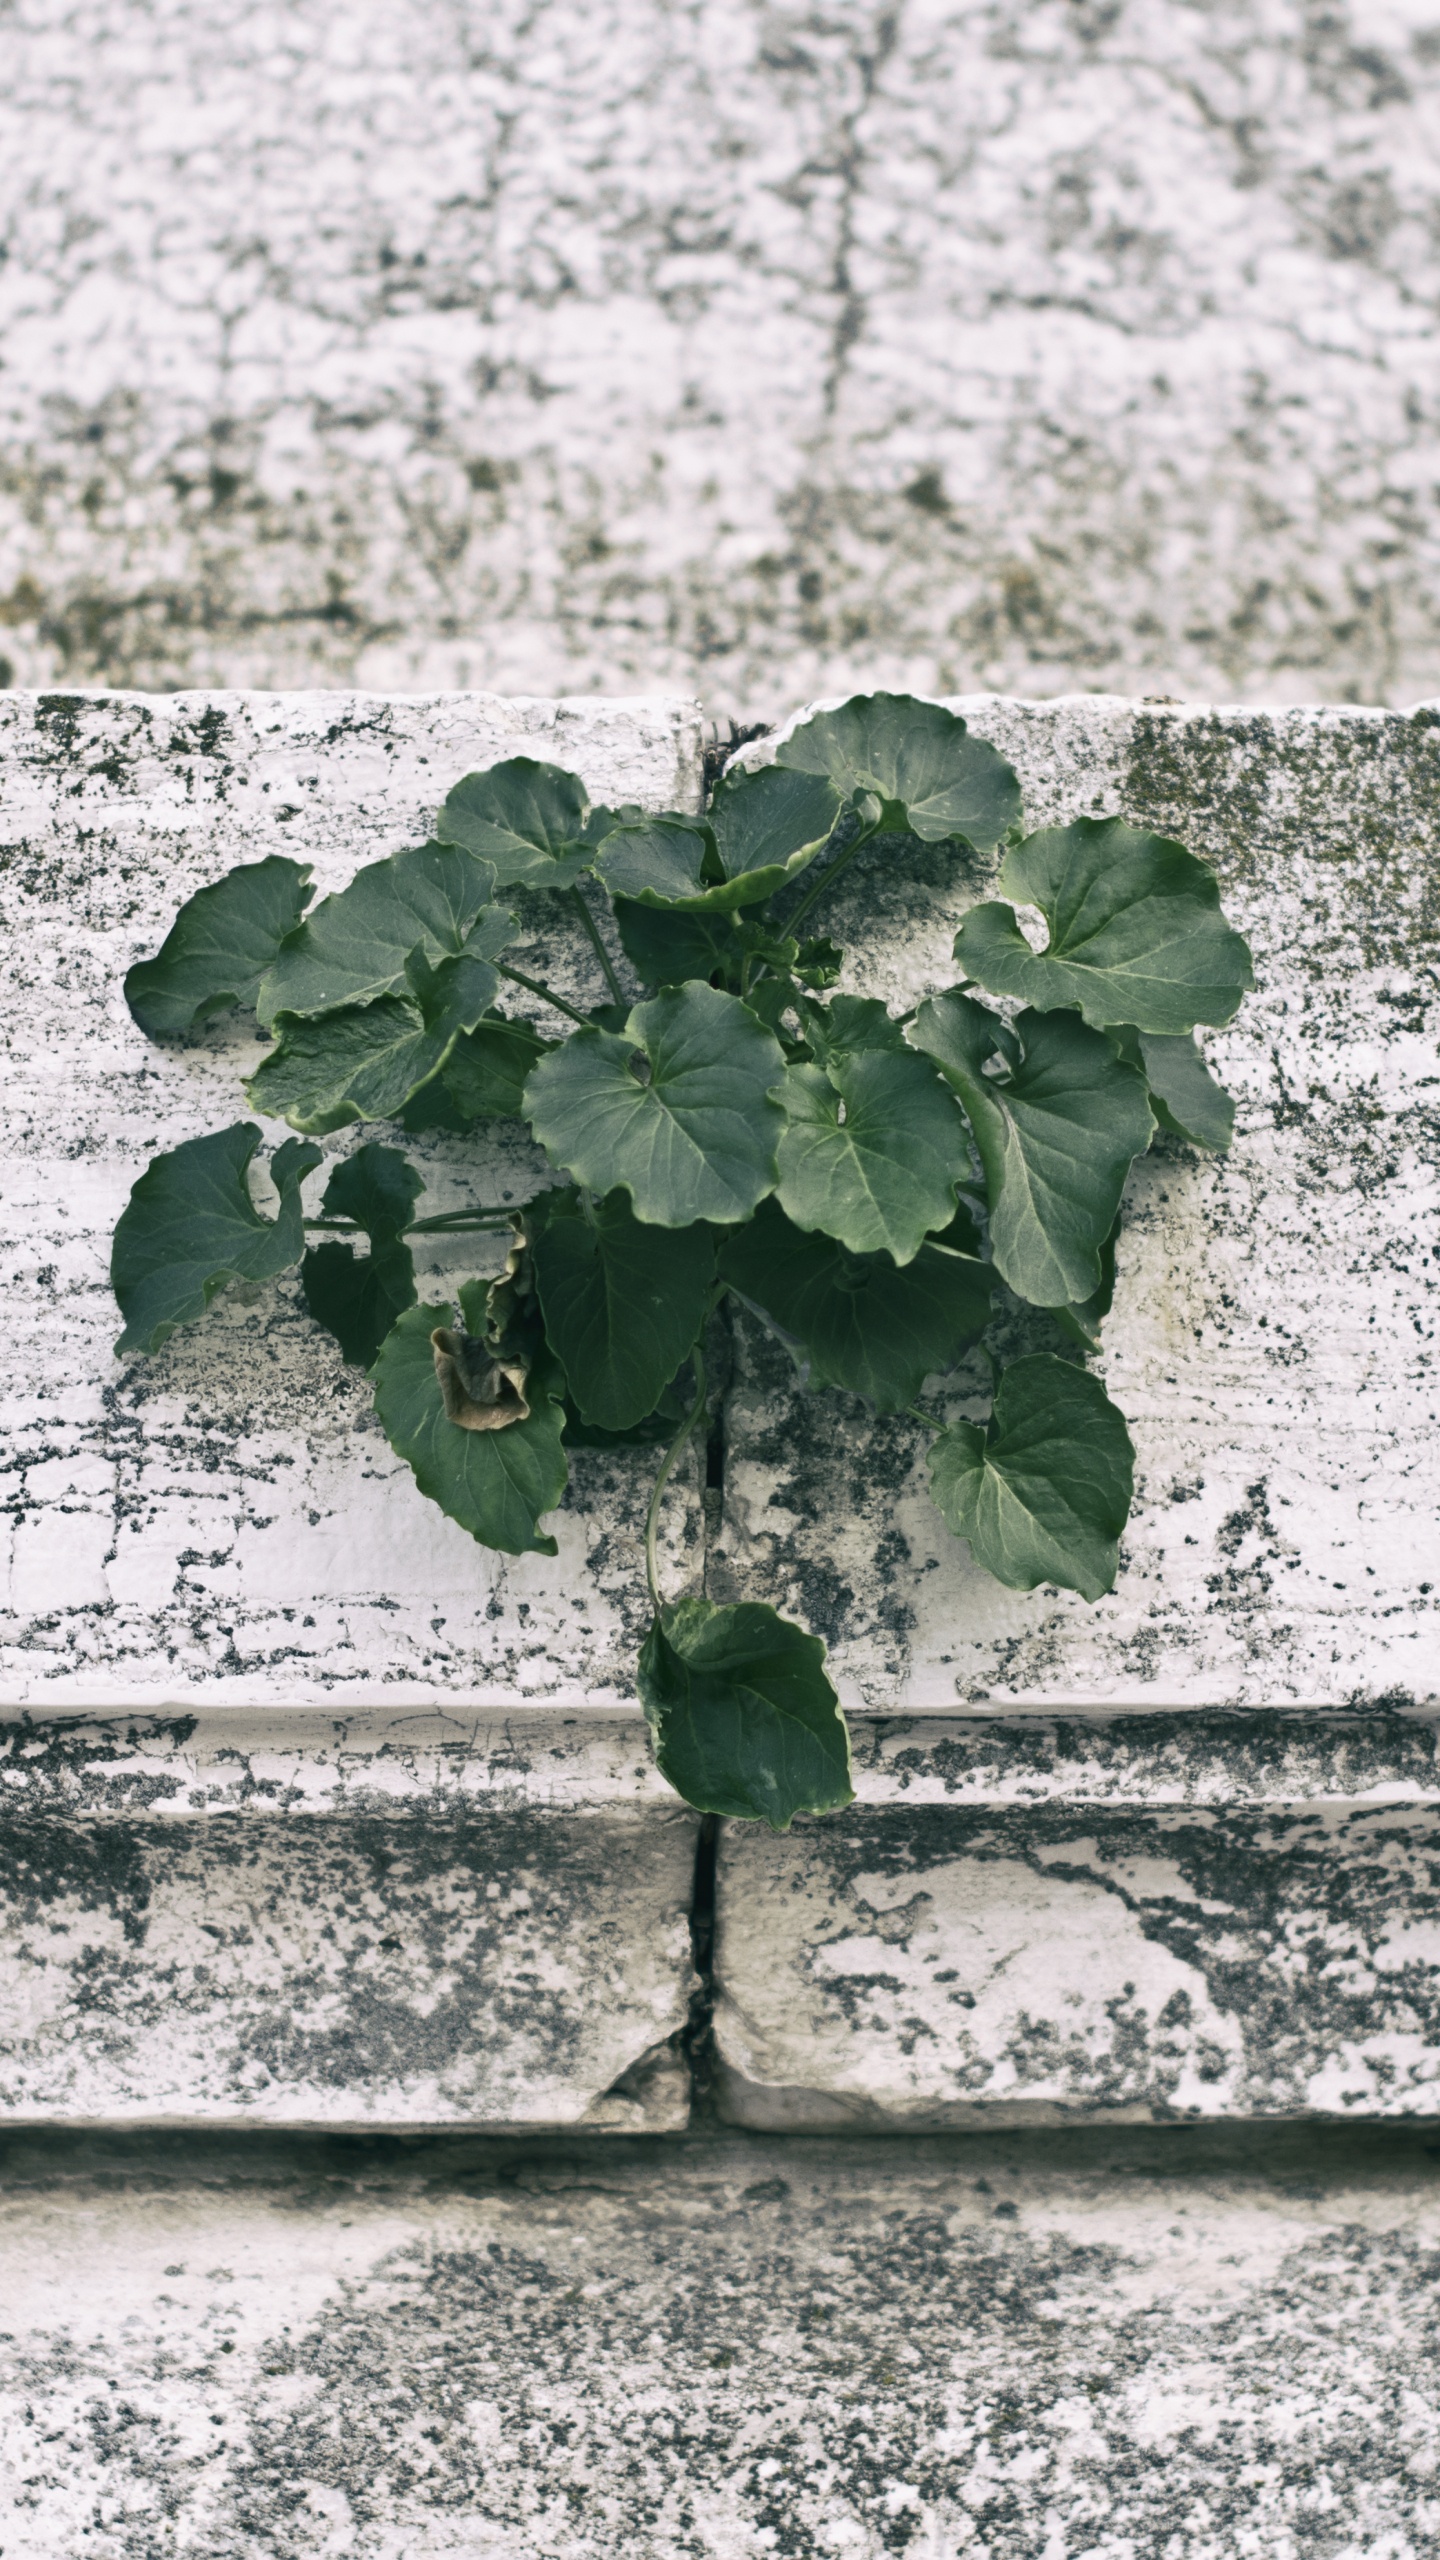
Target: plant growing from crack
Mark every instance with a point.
(865, 1183)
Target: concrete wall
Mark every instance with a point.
(742, 346)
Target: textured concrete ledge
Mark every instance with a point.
(945, 2350)
(1161, 1918)
(1273, 1340)
(296, 1920)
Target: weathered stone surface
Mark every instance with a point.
(1023, 342)
(1273, 1340)
(375, 1920)
(964, 2350)
(1169, 1917)
(226, 1519)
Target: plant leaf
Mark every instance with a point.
(848, 1025)
(487, 1068)
(190, 1226)
(1044, 1492)
(1057, 1131)
(860, 1322)
(1136, 932)
(358, 1300)
(760, 830)
(497, 1484)
(532, 822)
(366, 1061)
(667, 945)
(695, 1140)
(1083, 1318)
(434, 899)
(744, 1718)
(918, 759)
(872, 1151)
(623, 1303)
(1184, 1096)
(219, 946)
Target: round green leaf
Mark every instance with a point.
(872, 1150)
(190, 1226)
(1136, 932)
(760, 831)
(219, 946)
(432, 899)
(858, 1321)
(497, 1484)
(530, 821)
(745, 1721)
(916, 757)
(676, 1110)
(623, 1303)
(1057, 1130)
(1044, 1493)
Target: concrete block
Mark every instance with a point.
(383, 1920)
(226, 1521)
(1165, 1918)
(1273, 1339)
(945, 2350)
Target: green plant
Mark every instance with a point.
(866, 1183)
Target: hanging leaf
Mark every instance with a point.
(656, 861)
(872, 1151)
(918, 759)
(1082, 1320)
(434, 899)
(532, 822)
(676, 1111)
(219, 947)
(623, 1303)
(358, 1299)
(191, 1226)
(1184, 1096)
(745, 1721)
(498, 1484)
(857, 1321)
(366, 1062)
(1136, 932)
(1044, 1492)
(486, 1070)
(1057, 1130)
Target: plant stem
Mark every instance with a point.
(927, 1418)
(582, 909)
(652, 1516)
(538, 987)
(826, 877)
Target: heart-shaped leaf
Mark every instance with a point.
(190, 1226)
(366, 1062)
(676, 1110)
(1044, 1492)
(918, 759)
(354, 947)
(1136, 932)
(745, 1721)
(872, 1150)
(623, 1303)
(497, 1484)
(857, 1321)
(219, 946)
(355, 1299)
(532, 822)
(1057, 1129)
(1184, 1096)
